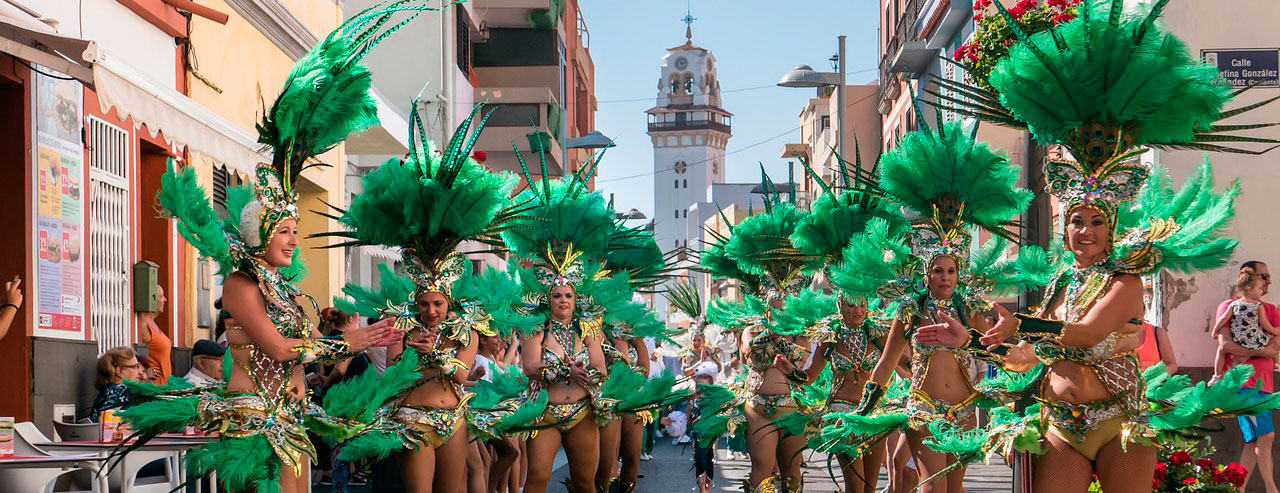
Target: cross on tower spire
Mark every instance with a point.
(688, 21)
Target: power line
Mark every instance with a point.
(735, 151)
(650, 98)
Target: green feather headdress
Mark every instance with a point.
(564, 228)
(429, 204)
(324, 99)
(1106, 86)
(684, 297)
(951, 181)
(735, 315)
(761, 246)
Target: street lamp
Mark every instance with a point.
(631, 214)
(593, 140)
(806, 76)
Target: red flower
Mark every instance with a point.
(977, 17)
(1218, 477)
(1161, 470)
(1180, 457)
(1206, 465)
(1189, 481)
(1026, 4)
(1155, 484)
(1236, 474)
(1008, 43)
(1063, 17)
(981, 4)
(1016, 12)
(480, 156)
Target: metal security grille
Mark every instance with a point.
(110, 299)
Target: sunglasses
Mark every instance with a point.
(1265, 277)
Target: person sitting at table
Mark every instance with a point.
(206, 363)
(114, 367)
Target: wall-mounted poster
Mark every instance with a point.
(59, 207)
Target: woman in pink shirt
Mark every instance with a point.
(1258, 431)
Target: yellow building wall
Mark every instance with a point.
(245, 72)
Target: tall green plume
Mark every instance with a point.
(634, 251)
(761, 244)
(683, 296)
(947, 168)
(433, 201)
(1200, 214)
(872, 261)
(499, 293)
(326, 95)
(834, 219)
(561, 212)
(719, 264)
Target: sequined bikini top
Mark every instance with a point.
(568, 337)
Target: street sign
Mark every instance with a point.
(1244, 67)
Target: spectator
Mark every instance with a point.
(703, 453)
(1156, 348)
(159, 346)
(1258, 431)
(114, 367)
(206, 363)
(10, 302)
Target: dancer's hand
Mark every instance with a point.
(1004, 328)
(783, 364)
(578, 374)
(12, 294)
(950, 332)
(378, 334)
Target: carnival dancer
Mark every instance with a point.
(427, 205)
(948, 182)
(759, 247)
(1107, 86)
(261, 413)
(849, 342)
(626, 325)
(564, 226)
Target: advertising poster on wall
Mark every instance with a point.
(59, 197)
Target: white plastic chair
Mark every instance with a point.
(77, 432)
(123, 478)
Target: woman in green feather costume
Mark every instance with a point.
(427, 205)
(1107, 86)
(849, 342)
(564, 226)
(763, 257)
(948, 181)
(261, 414)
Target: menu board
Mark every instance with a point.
(59, 206)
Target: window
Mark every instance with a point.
(464, 41)
(677, 245)
(514, 115)
(686, 183)
(677, 213)
(686, 213)
(677, 185)
(110, 311)
(824, 123)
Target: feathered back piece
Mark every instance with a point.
(499, 294)
(761, 246)
(735, 315)
(801, 312)
(951, 181)
(1178, 230)
(877, 265)
(1106, 86)
(634, 251)
(839, 214)
(993, 271)
(717, 262)
(430, 203)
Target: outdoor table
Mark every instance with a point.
(130, 464)
(51, 466)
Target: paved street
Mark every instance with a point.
(671, 470)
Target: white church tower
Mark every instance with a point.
(689, 128)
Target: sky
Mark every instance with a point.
(754, 42)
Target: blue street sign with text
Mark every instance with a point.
(1241, 68)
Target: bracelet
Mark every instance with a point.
(871, 394)
(6, 305)
(1038, 330)
(798, 377)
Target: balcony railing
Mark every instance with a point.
(689, 125)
